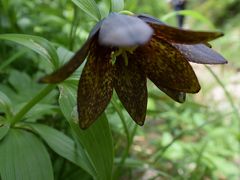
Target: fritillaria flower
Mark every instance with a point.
(123, 51)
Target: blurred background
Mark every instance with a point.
(198, 139)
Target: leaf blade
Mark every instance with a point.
(38, 44)
(24, 157)
(90, 7)
(64, 146)
(96, 140)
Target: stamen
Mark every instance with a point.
(123, 53)
(126, 12)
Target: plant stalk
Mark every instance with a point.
(27, 107)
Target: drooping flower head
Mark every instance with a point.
(123, 51)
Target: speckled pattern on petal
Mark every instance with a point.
(166, 67)
(130, 85)
(95, 86)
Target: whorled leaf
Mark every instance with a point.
(95, 85)
(166, 67)
(130, 85)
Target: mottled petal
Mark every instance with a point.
(130, 85)
(120, 30)
(200, 53)
(66, 70)
(95, 86)
(175, 95)
(166, 67)
(177, 35)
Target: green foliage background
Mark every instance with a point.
(39, 136)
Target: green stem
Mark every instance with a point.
(125, 154)
(121, 116)
(227, 94)
(42, 94)
(74, 26)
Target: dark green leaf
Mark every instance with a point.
(4, 128)
(24, 157)
(97, 139)
(64, 146)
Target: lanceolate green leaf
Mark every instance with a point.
(96, 140)
(38, 44)
(90, 7)
(24, 157)
(64, 146)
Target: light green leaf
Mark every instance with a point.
(97, 140)
(38, 44)
(117, 5)
(90, 7)
(24, 157)
(64, 146)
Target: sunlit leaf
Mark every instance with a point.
(24, 157)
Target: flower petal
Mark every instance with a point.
(66, 70)
(131, 88)
(200, 53)
(175, 95)
(120, 30)
(95, 86)
(149, 19)
(167, 67)
(177, 35)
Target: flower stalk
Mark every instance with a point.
(27, 107)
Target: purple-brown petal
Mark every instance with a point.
(66, 70)
(200, 53)
(95, 86)
(131, 88)
(177, 35)
(166, 67)
(120, 30)
(175, 95)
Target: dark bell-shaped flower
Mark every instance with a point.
(123, 51)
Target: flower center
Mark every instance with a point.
(122, 52)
